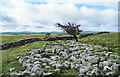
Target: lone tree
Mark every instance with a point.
(71, 28)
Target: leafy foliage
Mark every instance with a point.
(71, 28)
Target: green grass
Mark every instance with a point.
(67, 73)
(109, 39)
(102, 39)
(10, 55)
(6, 40)
(13, 39)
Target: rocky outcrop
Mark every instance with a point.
(68, 55)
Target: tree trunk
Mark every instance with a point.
(75, 38)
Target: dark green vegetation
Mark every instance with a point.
(9, 56)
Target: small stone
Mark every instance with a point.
(57, 65)
(24, 64)
(12, 62)
(34, 69)
(105, 63)
(29, 66)
(36, 59)
(95, 71)
(48, 74)
(17, 57)
(102, 59)
(106, 68)
(44, 64)
(20, 60)
(73, 58)
(52, 62)
(72, 66)
(26, 72)
(65, 65)
(110, 73)
(64, 54)
(36, 51)
(13, 74)
(88, 73)
(28, 60)
(20, 74)
(36, 62)
(55, 57)
(38, 55)
(93, 59)
(81, 75)
(77, 66)
(57, 70)
(83, 69)
(116, 67)
(48, 67)
(40, 73)
(37, 65)
(12, 69)
(32, 53)
(75, 48)
(32, 74)
(96, 65)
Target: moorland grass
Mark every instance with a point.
(10, 54)
(109, 39)
(6, 40)
(101, 39)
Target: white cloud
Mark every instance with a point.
(46, 15)
(106, 3)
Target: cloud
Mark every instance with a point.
(23, 16)
(106, 3)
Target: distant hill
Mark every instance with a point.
(54, 32)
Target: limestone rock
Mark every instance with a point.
(12, 69)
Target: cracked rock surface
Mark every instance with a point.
(56, 57)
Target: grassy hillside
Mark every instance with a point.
(9, 56)
(102, 39)
(110, 39)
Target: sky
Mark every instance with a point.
(42, 15)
